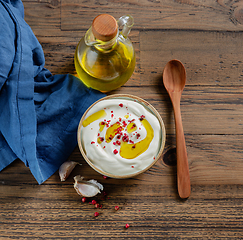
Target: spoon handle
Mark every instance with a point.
(183, 176)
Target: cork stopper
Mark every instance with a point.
(104, 27)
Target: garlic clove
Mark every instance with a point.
(66, 168)
(87, 188)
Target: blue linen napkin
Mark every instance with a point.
(39, 112)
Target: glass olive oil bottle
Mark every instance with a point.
(105, 59)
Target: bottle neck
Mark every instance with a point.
(104, 46)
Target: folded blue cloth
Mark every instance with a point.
(39, 112)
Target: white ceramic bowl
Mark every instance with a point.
(107, 165)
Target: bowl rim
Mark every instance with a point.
(152, 110)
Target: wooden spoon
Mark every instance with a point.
(174, 78)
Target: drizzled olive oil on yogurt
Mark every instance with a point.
(121, 136)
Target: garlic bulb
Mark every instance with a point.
(66, 168)
(87, 188)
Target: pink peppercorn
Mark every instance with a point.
(84, 199)
(127, 225)
(125, 138)
(116, 208)
(96, 214)
(115, 151)
(93, 202)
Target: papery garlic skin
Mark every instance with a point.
(87, 188)
(66, 168)
(100, 186)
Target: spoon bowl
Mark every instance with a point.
(174, 78)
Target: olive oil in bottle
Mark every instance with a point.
(105, 59)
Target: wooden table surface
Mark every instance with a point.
(207, 36)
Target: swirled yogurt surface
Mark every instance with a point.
(121, 136)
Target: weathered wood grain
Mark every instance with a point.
(179, 14)
(43, 15)
(161, 222)
(213, 160)
(207, 37)
(220, 64)
(54, 210)
(205, 109)
(210, 58)
(59, 53)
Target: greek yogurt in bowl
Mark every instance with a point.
(121, 136)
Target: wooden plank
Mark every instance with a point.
(205, 109)
(54, 211)
(59, 53)
(43, 15)
(220, 64)
(179, 14)
(157, 212)
(213, 160)
(210, 58)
